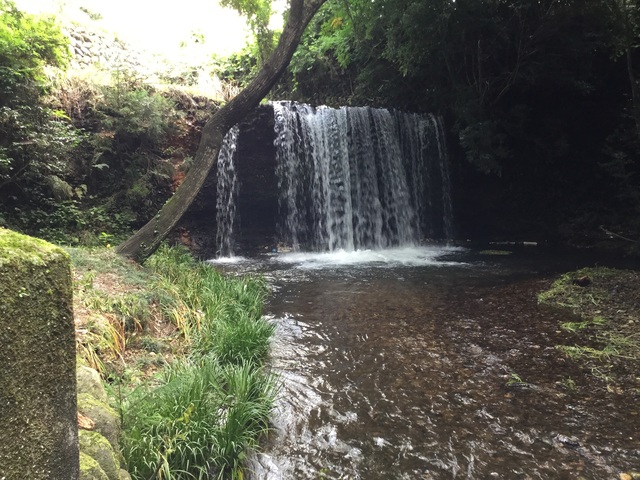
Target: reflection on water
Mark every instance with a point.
(407, 372)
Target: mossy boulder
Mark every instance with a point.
(99, 448)
(38, 430)
(90, 469)
(89, 381)
(105, 417)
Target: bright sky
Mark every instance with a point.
(156, 25)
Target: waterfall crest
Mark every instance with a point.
(360, 177)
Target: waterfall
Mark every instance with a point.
(227, 193)
(342, 179)
(360, 177)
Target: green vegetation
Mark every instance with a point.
(183, 348)
(85, 157)
(120, 171)
(35, 138)
(258, 14)
(238, 334)
(199, 422)
(607, 333)
(516, 380)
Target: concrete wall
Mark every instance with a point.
(38, 416)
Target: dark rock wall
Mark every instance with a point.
(257, 203)
(258, 197)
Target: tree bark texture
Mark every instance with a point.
(146, 240)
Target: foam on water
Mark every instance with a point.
(233, 260)
(392, 257)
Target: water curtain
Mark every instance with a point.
(348, 178)
(360, 177)
(227, 193)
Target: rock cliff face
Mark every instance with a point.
(95, 48)
(256, 166)
(258, 199)
(38, 418)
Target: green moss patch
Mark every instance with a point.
(90, 469)
(17, 248)
(37, 378)
(105, 418)
(99, 448)
(606, 336)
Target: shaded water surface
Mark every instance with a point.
(413, 372)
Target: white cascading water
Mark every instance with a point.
(443, 156)
(227, 192)
(349, 178)
(359, 177)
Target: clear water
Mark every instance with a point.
(395, 365)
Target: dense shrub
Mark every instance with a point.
(35, 140)
(79, 156)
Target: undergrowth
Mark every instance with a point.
(606, 332)
(183, 348)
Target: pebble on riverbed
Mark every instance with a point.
(630, 476)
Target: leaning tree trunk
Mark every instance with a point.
(146, 240)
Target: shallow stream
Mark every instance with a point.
(435, 363)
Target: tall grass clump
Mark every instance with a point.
(199, 423)
(199, 418)
(228, 321)
(235, 339)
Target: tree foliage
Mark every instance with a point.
(34, 139)
(76, 158)
(27, 44)
(258, 14)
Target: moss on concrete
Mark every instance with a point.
(38, 431)
(27, 250)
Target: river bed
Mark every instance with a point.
(432, 363)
